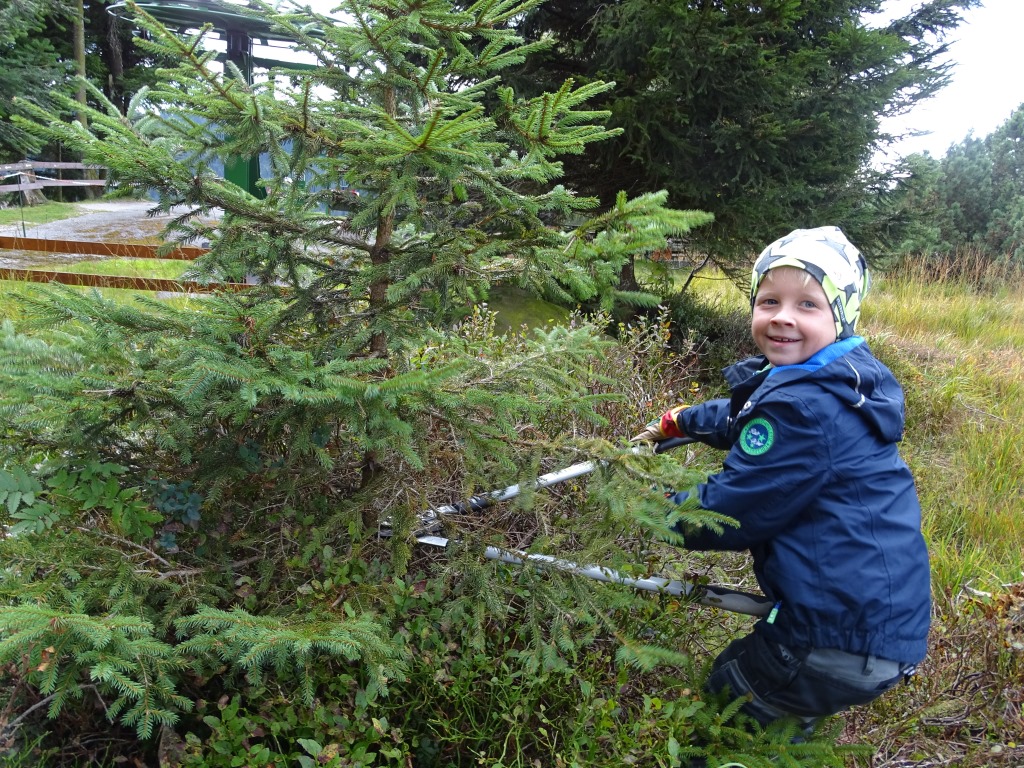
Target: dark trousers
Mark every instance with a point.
(805, 685)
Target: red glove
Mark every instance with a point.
(662, 428)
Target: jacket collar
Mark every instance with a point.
(822, 357)
(742, 371)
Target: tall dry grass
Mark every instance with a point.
(954, 333)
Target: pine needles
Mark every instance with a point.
(218, 473)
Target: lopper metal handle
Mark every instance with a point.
(705, 594)
(431, 518)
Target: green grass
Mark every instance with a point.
(713, 286)
(164, 269)
(161, 269)
(39, 214)
(516, 307)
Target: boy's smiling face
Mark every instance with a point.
(792, 318)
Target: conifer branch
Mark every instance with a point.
(359, 377)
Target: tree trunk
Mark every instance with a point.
(115, 63)
(627, 277)
(78, 43)
(380, 255)
(31, 196)
(626, 313)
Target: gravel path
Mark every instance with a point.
(100, 220)
(116, 221)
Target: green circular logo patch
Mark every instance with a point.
(757, 437)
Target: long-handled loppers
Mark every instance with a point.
(705, 594)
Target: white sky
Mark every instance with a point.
(985, 87)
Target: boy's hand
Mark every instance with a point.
(661, 428)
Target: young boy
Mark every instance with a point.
(826, 506)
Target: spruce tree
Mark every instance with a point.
(220, 470)
(30, 67)
(39, 57)
(766, 114)
(969, 200)
(981, 188)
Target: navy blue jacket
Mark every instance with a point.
(826, 505)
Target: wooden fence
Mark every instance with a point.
(29, 180)
(124, 250)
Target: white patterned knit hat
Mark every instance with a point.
(829, 258)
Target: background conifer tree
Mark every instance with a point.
(966, 203)
(766, 114)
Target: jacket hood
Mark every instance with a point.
(850, 373)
